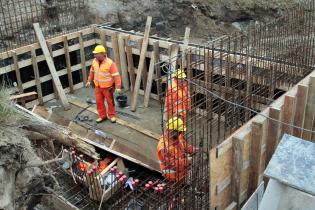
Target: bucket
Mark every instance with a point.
(122, 100)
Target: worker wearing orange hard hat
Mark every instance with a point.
(177, 99)
(173, 152)
(105, 77)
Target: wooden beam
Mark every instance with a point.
(23, 96)
(145, 69)
(49, 46)
(150, 76)
(17, 72)
(37, 77)
(119, 121)
(301, 96)
(141, 64)
(116, 50)
(51, 66)
(131, 67)
(82, 58)
(68, 63)
(309, 110)
(288, 111)
(123, 62)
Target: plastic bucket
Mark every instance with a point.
(122, 100)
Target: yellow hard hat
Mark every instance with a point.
(179, 74)
(99, 49)
(176, 124)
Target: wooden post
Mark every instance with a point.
(116, 50)
(17, 72)
(151, 72)
(103, 37)
(82, 58)
(238, 148)
(51, 66)
(37, 77)
(131, 67)
(301, 95)
(186, 36)
(186, 42)
(288, 111)
(156, 49)
(145, 69)
(141, 64)
(273, 134)
(309, 110)
(68, 63)
(123, 62)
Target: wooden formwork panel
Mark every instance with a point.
(238, 163)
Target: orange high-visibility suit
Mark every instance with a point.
(173, 157)
(105, 75)
(177, 100)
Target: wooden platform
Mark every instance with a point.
(134, 136)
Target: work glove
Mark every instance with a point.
(118, 91)
(88, 84)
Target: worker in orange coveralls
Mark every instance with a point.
(173, 152)
(177, 99)
(105, 76)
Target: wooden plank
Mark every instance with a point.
(37, 77)
(82, 58)
(68, 63)
(51, 66)
(123, 62)
(17, 72)
(301, 96)
(238, 147)
(116, 50)
(255, 156)
(288, 111)
(49, 45)
(23, 95)
(119, 121)
(131, 66)
(309, 110)
(145, 69)
(141, 64)
(150, 76)
(273, 134)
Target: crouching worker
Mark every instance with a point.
(173, 152)
(105, 77)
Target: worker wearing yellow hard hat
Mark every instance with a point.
(177, 99)
(105, 77)
(173, 151)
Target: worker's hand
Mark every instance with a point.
(88, 84)
(189, 158)
(118, 91)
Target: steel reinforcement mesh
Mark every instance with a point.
(55, 17)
